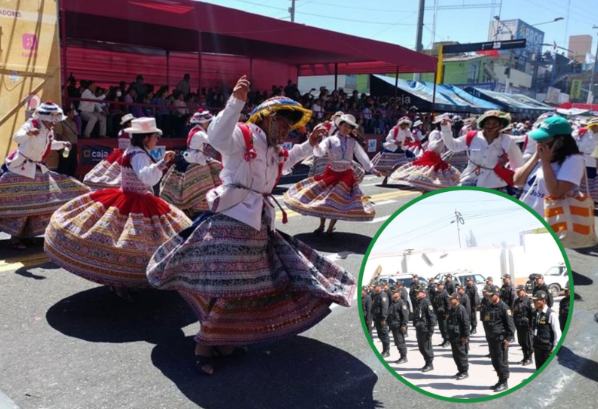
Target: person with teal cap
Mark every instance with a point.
(555, 169)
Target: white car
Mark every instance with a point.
(555, 278)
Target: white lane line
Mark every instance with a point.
(379, 219)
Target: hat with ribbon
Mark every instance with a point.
(201, 117)
(290, 109)
(50, 112)
(143, 125)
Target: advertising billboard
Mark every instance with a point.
(501, 31)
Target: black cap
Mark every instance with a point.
(493, 290)
(567, 286)
(539, 276)
(364, 288)
(521, 287)
(455, 296)
(540, 295)
(506, 276)
(440, 283)
(489, 279)
(431, 279)
(414, 275)
(469, 279)
(460, 287)
(449, 276)
(399, 284)
(421, 289)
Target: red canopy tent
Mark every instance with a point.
(589, 107)
(116, 37)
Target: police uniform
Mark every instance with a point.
(500, 328)
(366, 307)
(398, 318)
(413, 290)
(424, 321)
(522, 316)
(508, 293)
(441, 307)
(432, 289)
(380, 305)
(449, 286)
(546, 331)
(564, 309)
(474, 302)
(458, 328)
(483, 306)
(464, 301)
(405, 298)
(544, 287)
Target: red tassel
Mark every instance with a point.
(285, 218)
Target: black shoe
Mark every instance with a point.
(527, 362)
(503, 386)
(462, 376)
(441, 345)
(446, 344)
(473, 331)
(402, 360)
(496, 385)
(385, 354)
(458, 374)
(487, 356)
(522, 361)
(428, 368)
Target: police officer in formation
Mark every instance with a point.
(458, 331)
(508, 293)
(413, 289)
(380, 304)
(432, 288)
(500, 334)
(449, 284)
(541, 286)
(522, 315)
(441, 307)
(474, 301)
(463, 299)
(424, 321)
(387, 290)
(483, 307)
(545, 327)
(564, 308)
(366, 307)
(398, 318)
(405, 298)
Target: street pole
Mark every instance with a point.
(593, 76)
(292, 11)
(457, 220)
(420, 28)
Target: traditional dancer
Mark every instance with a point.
(186, 183)
(246, 281)
(489, 150)
(430, 171)
(29, 192)
(391, 156)
(587, 141)
(336, 194)
(107, 173)
(108, 236)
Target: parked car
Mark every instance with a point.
(555, 278)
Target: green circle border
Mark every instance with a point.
(571, 296)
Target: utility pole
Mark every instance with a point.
(292, 11)
(419, 47)
(593, 76)
(459, 220)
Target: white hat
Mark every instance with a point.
(50, 112)
(404, 120)
(350, 119)
(143, 125)
(439, 118)
(201, 117)
(126, 118)
(417, 123)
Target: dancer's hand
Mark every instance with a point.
(316, 134)
(33, 132)
(242, 88)
(169, 156)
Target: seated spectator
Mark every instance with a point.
(92, 112)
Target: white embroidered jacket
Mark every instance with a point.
(255, 178)
(197, 145)
(483, 155)
(340, 150)
(392, 143)
(32, 149)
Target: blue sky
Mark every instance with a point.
(395, 21)
(427, 224)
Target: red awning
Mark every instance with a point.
(569, 105)
(189, 26)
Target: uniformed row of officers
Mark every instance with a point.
(503, 312)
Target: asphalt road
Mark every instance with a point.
(68, 343)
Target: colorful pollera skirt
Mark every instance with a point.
(428, 173)
(332, 195)
(387, 162)
(109, 236)
(106, 174)
(26, 204)
(459, 160)
(248, 286)
(318, 167)
(185, 185)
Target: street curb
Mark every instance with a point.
(6, 403)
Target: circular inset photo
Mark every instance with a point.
(466, 294)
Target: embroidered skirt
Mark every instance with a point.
(248, 286)
(387, 162)
(459, 160)
(428, 173)
(185, 185)
(332, 195)
(318, 167)
(106, 174)
(26, 204)
(108, 236)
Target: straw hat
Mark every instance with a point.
(50, 112)
(143, 125)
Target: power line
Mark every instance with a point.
(389, 27)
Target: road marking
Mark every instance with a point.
(15, 263)
(379, 219)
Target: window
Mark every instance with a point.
(555, 271)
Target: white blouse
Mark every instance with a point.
(435, 142)
(392, 143)
(483, 156)
(196, 146)
(245, 183)
(340, 150)
(31, 149)
(148, 172)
